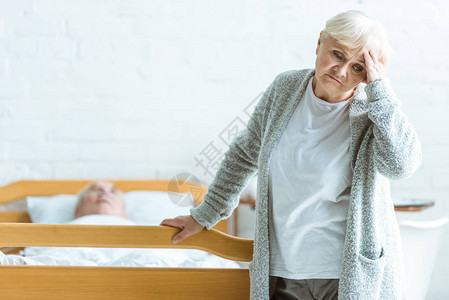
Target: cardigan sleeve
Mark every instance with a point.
(397, 150)
(238, 166)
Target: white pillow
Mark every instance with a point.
(142, 207)
(51, 209)
(150, 208)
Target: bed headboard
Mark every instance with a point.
(23, 188)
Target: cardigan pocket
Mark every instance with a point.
(370, 274)
(373, 261)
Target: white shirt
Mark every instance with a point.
(309, 187)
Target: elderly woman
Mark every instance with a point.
(325, 143)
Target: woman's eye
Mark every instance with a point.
(338, 56)
(358, 68)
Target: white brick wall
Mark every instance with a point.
(137, 89)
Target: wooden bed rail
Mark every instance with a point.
(112, 236)
(130, 283)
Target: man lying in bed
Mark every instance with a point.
(100, 198)
(101, 203)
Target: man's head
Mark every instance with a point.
(100, 197)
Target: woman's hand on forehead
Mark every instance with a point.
(375, 69)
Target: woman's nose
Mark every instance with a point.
(340, 70)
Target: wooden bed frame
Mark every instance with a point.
(63, 282)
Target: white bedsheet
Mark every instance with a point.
(189, 258)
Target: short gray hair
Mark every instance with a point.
(84, 191)
(354, 30)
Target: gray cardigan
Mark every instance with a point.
(383, 146)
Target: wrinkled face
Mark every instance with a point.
(338, 71)
(101, 198)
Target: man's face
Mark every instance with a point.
(339, 71)
(101, 198)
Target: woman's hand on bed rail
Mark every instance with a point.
(188, 225)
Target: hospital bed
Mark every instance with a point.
(76, 282)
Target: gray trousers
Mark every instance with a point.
(307, 289)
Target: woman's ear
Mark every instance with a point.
(319, 42)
